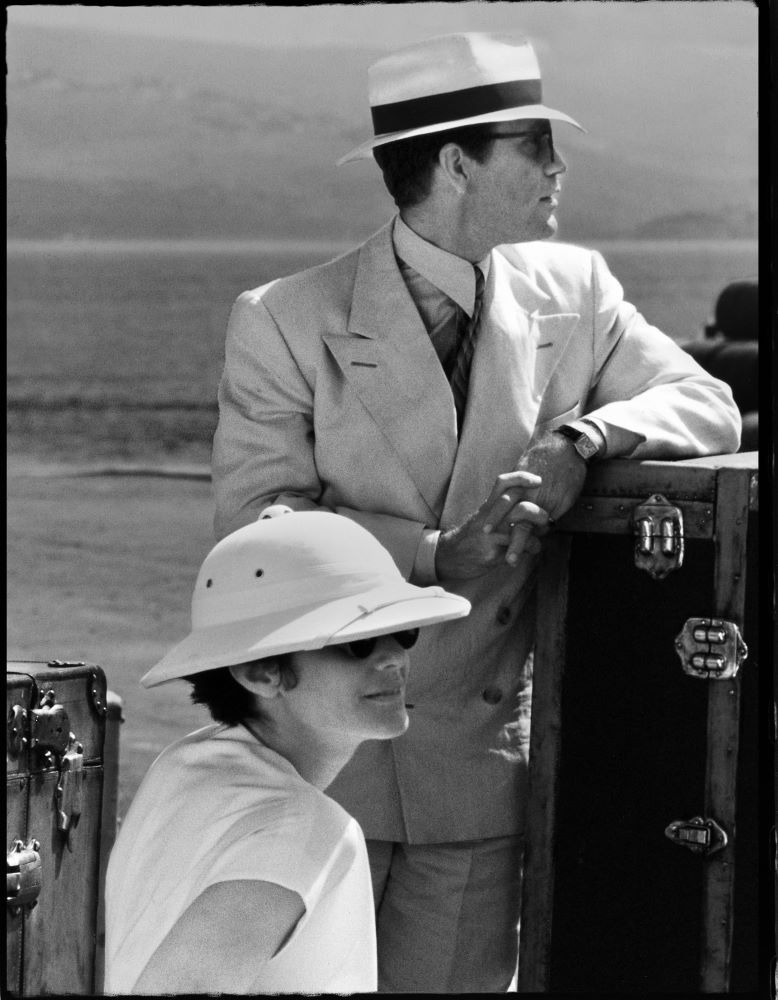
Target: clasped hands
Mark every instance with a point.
(519, 511)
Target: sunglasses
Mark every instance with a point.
(360, 649)
(539, 141)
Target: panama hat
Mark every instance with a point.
(451, 81)
(299, 581)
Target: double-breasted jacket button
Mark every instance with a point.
(503, 616)
(492, 695)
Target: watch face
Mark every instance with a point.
(585, 447)
(582, 443)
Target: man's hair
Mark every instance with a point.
(407, 164)
(227, 700)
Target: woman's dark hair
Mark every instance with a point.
(408, 163)
(226, 699)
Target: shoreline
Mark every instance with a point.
(25, 467)
(65, 245)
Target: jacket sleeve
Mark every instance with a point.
(645, 383)
(264, 448)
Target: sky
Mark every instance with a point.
(376, 25)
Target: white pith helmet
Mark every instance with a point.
(298, 581)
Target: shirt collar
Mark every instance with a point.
(453, 275)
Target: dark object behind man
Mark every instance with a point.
(730, 351)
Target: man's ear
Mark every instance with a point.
(455, 166)
(260, 677)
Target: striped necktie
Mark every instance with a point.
(460, 374)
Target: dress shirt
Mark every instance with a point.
(441, 285)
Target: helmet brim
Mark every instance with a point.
(378, 612)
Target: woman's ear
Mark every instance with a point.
(260, 677)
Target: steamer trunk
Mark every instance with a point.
(56, 728)
(636, 764)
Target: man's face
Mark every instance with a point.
(339, 695)
(513, 194)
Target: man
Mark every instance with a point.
(232, 872)
(450, 410)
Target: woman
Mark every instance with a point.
(232, 871)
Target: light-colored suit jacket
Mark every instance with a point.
(333, 396)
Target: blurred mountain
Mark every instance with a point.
(122, 136)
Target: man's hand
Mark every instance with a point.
(561, 469)
(475, 547)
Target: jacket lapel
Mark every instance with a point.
(389, 360)
(519, 345)
(392, 366)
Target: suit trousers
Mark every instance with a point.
(447, 915)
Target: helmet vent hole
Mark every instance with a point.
(259, 572)
(209, 583)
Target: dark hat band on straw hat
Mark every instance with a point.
(434, 109)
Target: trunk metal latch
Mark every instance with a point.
(658, 529)
(17, 726)
(700, 834)
(710, 648)
(24, 875)
(50, 727)
(70, 785)
(52, 737)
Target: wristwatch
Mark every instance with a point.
(582, 443)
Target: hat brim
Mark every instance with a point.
(399, 606)
(503, 115)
